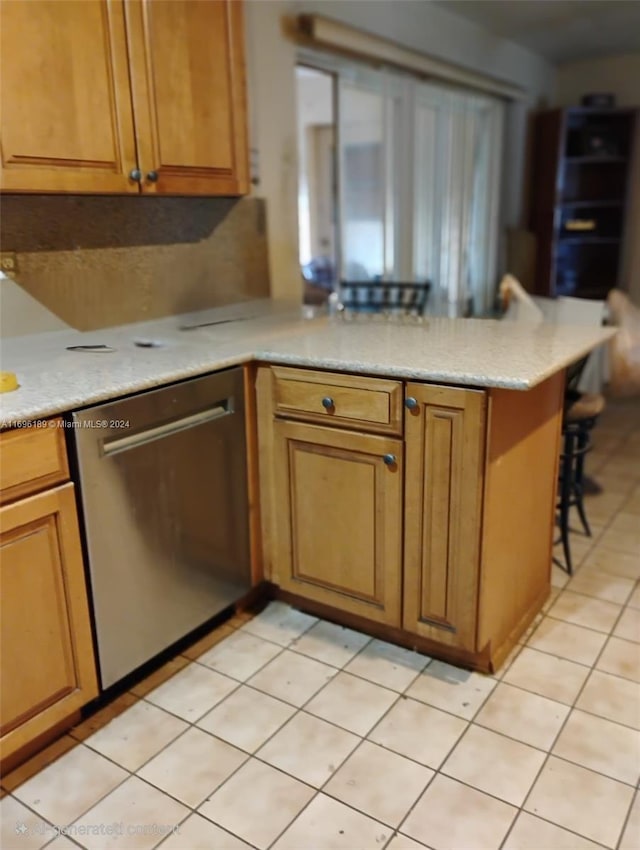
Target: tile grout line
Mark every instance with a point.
(239, 683)
(578, 663)
(320, 789)
(627, 818)
(573, 707)
(134, 773)
(438, 771)
(95, 803)
(197, 809)
(254, 754)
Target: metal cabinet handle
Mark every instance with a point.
(389, 459)
(135, 174)
(131, 441)
(327, 403)
(411, 403)
(152, 176)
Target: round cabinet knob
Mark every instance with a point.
(327, 403)
(411, 403)
(135, 174)
(152, 176)
(389, 459)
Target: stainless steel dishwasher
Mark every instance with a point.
(163, 479)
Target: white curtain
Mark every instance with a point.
(457, 155)
(419, 169)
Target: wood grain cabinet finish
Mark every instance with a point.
(449, 550)
(105, 96)
(187, 78)
(339, 518)
(347, 401)
(48, 668)
(32, 459)
(67, 121)
(445, 439)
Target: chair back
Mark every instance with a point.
(375, 296)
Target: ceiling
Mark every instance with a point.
(559, 30)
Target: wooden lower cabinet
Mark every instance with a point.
(445, 439)
(47, 663)
(338, 498)
(448, 550)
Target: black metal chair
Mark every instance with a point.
(373, 296)
(580, 415)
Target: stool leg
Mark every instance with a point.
(583, 442)
(566, 485)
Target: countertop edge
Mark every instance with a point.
(268, 350)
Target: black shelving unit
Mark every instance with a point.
(581, 173)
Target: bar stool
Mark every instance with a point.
(581, 413)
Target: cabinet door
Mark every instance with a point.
(48, 668)
(443, 496)
(67, 122)
(187, 77)
(338, 519)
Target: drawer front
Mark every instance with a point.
(31, 459)
(347, 401)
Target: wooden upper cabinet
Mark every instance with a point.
(66, 118)
(187, 77)
(105, 96)
(445, 445)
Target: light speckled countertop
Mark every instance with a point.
(472, 352)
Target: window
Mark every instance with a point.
(367, 202)
(418, 167)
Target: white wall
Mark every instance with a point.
(421, 26)
(271, 88)
(619, 75)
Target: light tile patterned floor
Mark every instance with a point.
(290, 733)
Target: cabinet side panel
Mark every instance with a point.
(520, 490)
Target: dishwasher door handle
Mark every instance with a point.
(122, 444)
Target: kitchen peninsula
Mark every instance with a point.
(401, 476)
(143, 355)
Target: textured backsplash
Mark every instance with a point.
(97, 261)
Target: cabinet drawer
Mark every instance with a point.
(31, 459)
(370, 404)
